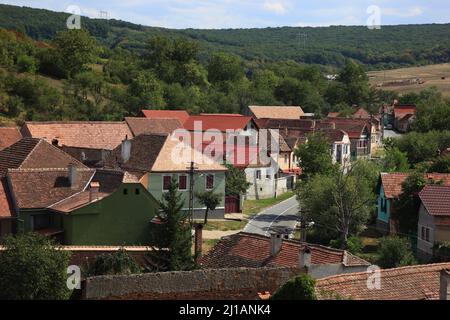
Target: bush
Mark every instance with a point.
(441, 252)
(395, 252)
(354, 244)
(31, 267)
(298, 288)
(26, 64)
(116, 263)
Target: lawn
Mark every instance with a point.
(253, 207)
(229, 225)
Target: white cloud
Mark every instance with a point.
(275, 7)
(410, 12)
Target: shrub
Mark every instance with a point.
(31, 267)
(298, 288)
(26, 64)
(113, 263)
(354, 244)
(395, 252)
(441, 252)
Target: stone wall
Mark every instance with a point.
(241, 283)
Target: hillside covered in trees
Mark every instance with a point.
(392, 46)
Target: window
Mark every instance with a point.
(268, 176)
(182, 182)
(137, 192)
(209, 181)
(125, 191)
(166, 182)
(425, 234)
(258, 174)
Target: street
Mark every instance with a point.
(282, 218)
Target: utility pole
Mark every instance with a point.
(191, 169)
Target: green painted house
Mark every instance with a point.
(152, 159)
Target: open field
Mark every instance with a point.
(431, 76)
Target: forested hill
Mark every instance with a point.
(392, 46)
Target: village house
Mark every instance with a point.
(403, 117)
(154, 159)
(434, 220)
(389, 188)
(422, 282)
(49, 192)
(245, 250)
(180, 115)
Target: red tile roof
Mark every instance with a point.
(407, 283)
(9, 136)
(6, 209)
(253, 251)
(180, 115)
(221, 122)
(392, 182)
(402, 110)
(84, 134)
(436, 200)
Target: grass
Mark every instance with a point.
(253, 207)
(432, 75)
(230, 225)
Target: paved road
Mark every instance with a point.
(282, 218)
(391, 134)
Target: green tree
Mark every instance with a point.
(210, 200)
(75, 48)
(26, 63)
(314, 156)
(440, 164)
(299, 288)
(395, 161)
(225, 67)
(394, 252)
(145, 91)
(339, 204)
(236, 182)
(119, 262)
(33, 268)
(173, 240)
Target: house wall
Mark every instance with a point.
(119, 219)
(425, 248)
(383, 213)
(6, 227)
(155, 187)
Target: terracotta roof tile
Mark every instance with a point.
(402, 110)
(407, 283)
(277, 112)
(251, 250)
(392, 182)
(6, 209)
(9, 136)
(436, 200)
(221, 122)
(85, 134)
(181, 115)
(145, 126)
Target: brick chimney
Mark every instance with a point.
(93, 191)
(445, 285)
(126, 149)
(198, 240)
(73, 175)
(276, 241)
(304, 259)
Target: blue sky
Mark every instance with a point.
(216, 14)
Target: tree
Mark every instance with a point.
(33, 268)
(314, 156)
(26, 63)
(440, 164)
(210, 200)
(173, 233)
(394, 252)
(236, 182)
(339, 204)
(145, 91)
(298, 288)
(395, 161)
(75, 48)
(225, 67)
(119, 262)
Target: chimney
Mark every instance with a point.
(93, 191)
(333, 125)
(73, 175)
(305, 258)
(126, 149)
(445, 285)
(198, 241)
(276, 241)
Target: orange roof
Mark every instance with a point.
(6, 209)
(221, 122)
(181, 115)
(402, 110)
(407, 283)
(392, 182)
(9, 136)
(84, 134)
(277, 112)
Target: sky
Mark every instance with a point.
(222, 14)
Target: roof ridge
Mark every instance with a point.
(73, 122)
(86, 169)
